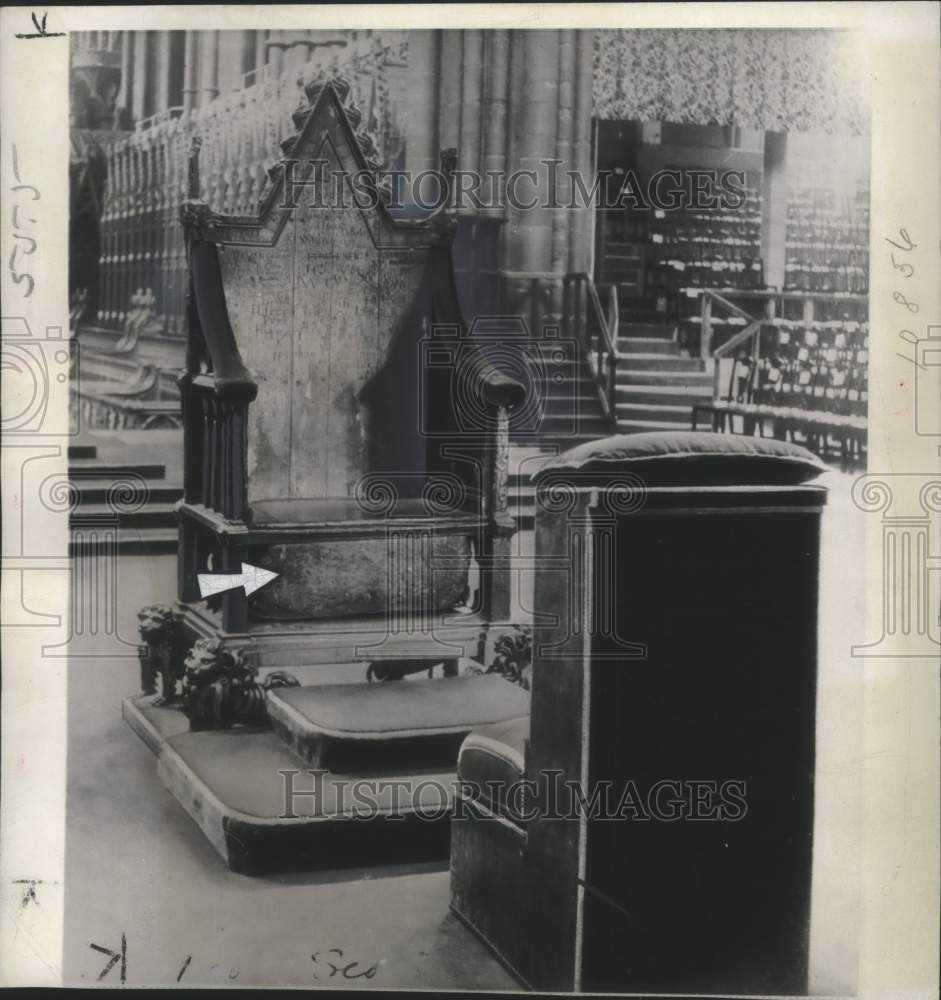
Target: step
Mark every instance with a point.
(147, 470)
(82, 451)
(660, 362)
(565, 425)
(628, 346)
(657, 330)
(95, 490)
(154, 515)
(349, 727)
(642, 426)
(138, 541)
(231, 784)
(667, 395)
(654, 411)
(650, 379)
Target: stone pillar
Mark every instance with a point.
(527, 257)
(261, 55)
(140, 74)
(162, 82)
(123, 103)
(230, 61)
(424, 68)
(580, 226)
(559, 187)
(496, 77)
(774, 208)
(189, 72)
(469, 154)
(449, 105)
(275, 46)
(208, 66)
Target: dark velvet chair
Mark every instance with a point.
(674, 678)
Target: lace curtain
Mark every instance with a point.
(775, 80)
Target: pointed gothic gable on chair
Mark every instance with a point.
(316, 286)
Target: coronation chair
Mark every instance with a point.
(344, 430)
(328, 391)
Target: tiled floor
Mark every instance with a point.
(136, 864)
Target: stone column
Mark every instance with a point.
(261, 55)
(449, 106)
(123, 103)
(139, 85)
(580, 226)
(162, 82)
(189, 72)
(559, 188)
(496, 83)
(424, 69)
(469, 154)
(774, 208)
(208, 66)
(230, 49)
(527, 257)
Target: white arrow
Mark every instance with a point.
(251, 578)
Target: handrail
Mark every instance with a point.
(751, 331)
(723, 301)
(585, 321)
(614, 318)
(600, 317)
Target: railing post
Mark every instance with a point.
(705, 335)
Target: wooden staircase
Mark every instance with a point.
(655, 384)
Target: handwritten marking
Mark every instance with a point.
(20, 233)
(40, 31)
(115, 957)
(907, 269)
(345, 971)
(29, 893)
(189, 958)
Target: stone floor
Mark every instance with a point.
(137, 866)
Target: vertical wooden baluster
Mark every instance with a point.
(206, 407)
(226, 460)
(218, 458)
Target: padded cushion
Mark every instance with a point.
(492, 759)
(685, 458)
(402, 709)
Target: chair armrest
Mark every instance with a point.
(498, 389)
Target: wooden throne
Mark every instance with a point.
(340, 428)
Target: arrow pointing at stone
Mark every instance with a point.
(251, 578)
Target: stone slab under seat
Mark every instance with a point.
(316, 510)
(229, 783)
(490, 761)
(347, 726)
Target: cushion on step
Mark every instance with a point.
(491, 761)
(403, 709)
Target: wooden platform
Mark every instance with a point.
(387, 798)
